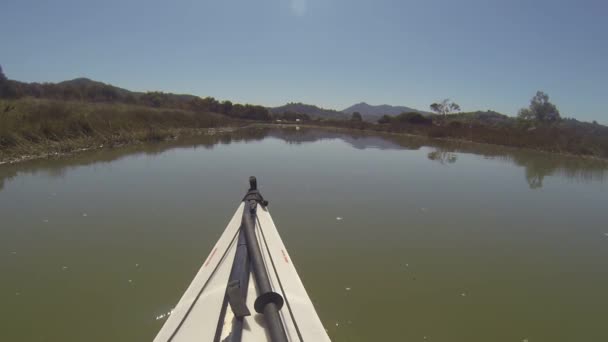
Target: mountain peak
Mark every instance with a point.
(373, 113)
(308, 109)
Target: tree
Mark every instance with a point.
(6, 89)
(385, 119)
(226, 107)
(356, 117)
(413, 118)
(3, 78)
(540, 109)
(445, 107)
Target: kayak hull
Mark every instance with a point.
(196, 317)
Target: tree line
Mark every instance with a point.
(90, 91)
(540, 110)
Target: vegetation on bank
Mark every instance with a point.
(47, 118)
(539, 126)
(37, 118)
(568, 136)
(31, 126)
(85, 90)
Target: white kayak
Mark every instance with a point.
(238, 295)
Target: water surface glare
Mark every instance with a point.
(395, 238)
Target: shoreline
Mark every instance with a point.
(70, 147)
(454, 140)
(56, 150)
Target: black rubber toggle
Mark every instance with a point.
(254, 194)
(268, 297)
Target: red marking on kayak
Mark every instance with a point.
(285, 256)
(210, 256)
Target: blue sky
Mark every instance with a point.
(483, 54)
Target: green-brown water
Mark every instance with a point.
(436, 241)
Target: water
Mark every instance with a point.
(435, 241)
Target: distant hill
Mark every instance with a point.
(373, 113)
(86, 83)
(87, 90)
(310, 110)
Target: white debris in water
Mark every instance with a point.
(463, 294)
(13, 253)
(338, 218)
(407, 265)
(525, 340)
(348, 289)
(84, 214)
(130, 281)
(64, 268)
(424, 337)
(45, 220)
(136, 265)
(337, 324)
(159, 317)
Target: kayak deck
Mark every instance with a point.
(197, 315)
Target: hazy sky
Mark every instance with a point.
(483, 54)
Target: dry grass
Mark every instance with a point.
(29, 125)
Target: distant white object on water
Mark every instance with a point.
(13, 253)
(463, 294)
(338, 218)
(159, 317)
(64, 268)
(337, 324)
(130, 281)
(84, 214)
(136, 265)
(45, 220)
(348, 289)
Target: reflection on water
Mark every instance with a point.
(443, 157)
(538, 165)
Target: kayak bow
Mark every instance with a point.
(249, 267)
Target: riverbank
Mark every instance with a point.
(72, 146)
(567, 137)
(33, 128)
(40, 128)
(69, 146)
